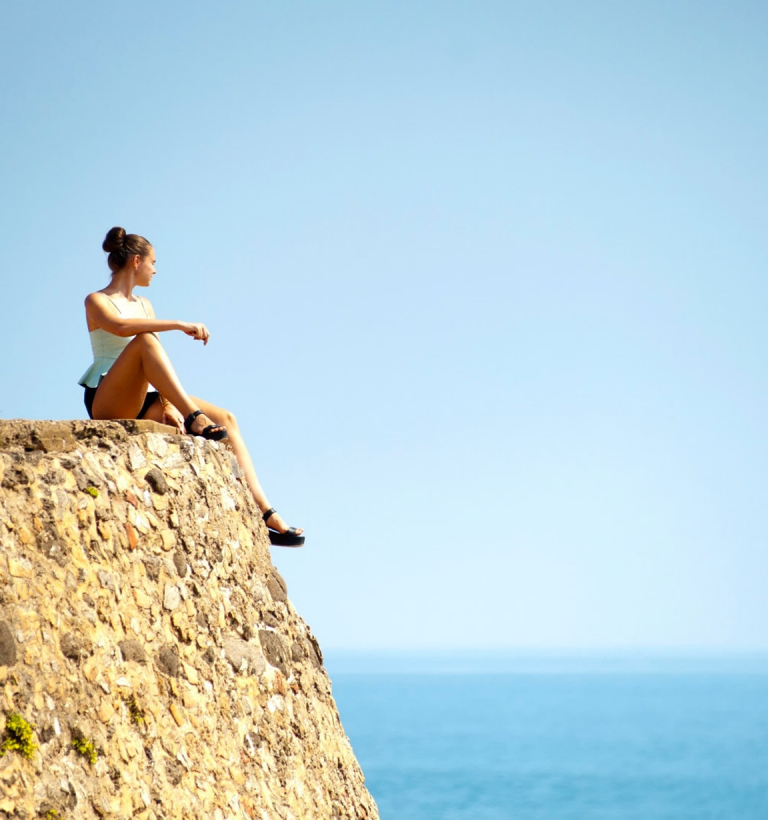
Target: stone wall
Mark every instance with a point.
(149, 643)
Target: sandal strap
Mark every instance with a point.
(271, 511)
(190, 418)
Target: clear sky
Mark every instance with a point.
(485, 282)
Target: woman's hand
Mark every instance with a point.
(172, 416)
(196, 331)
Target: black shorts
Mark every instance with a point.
(90, 395)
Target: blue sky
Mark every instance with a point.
(485, 283)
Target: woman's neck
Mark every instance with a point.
(122, 284)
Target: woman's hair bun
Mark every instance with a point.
(114, 240)
(122, 247)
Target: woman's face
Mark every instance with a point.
(145, 269)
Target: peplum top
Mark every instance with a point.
(106, 348)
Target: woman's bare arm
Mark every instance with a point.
(101, 313)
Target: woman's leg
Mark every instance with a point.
(122, 391)
(227, 419)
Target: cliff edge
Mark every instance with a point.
(151, 663)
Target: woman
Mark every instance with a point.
(128, 359)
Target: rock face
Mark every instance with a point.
(150, 643)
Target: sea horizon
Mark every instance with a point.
(490, 661)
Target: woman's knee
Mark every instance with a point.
(146, 340)
(229, 419)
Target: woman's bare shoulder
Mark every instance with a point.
(99, 308)
(96, 298)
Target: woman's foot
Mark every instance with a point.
(201, 422)
(290, 537)
(276, 523)
(198, 424)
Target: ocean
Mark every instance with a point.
(547, 738)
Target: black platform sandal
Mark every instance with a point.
(206, 432)
(289, 538)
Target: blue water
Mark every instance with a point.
(561, 745)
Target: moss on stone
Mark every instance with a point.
(92, 491)
(85, 747)
(134, 710)
(18, 736)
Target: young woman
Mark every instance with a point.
(128, 359)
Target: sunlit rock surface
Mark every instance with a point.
(140, 614)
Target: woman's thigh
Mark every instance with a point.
(122, 391)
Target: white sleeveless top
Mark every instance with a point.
(106, 348)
